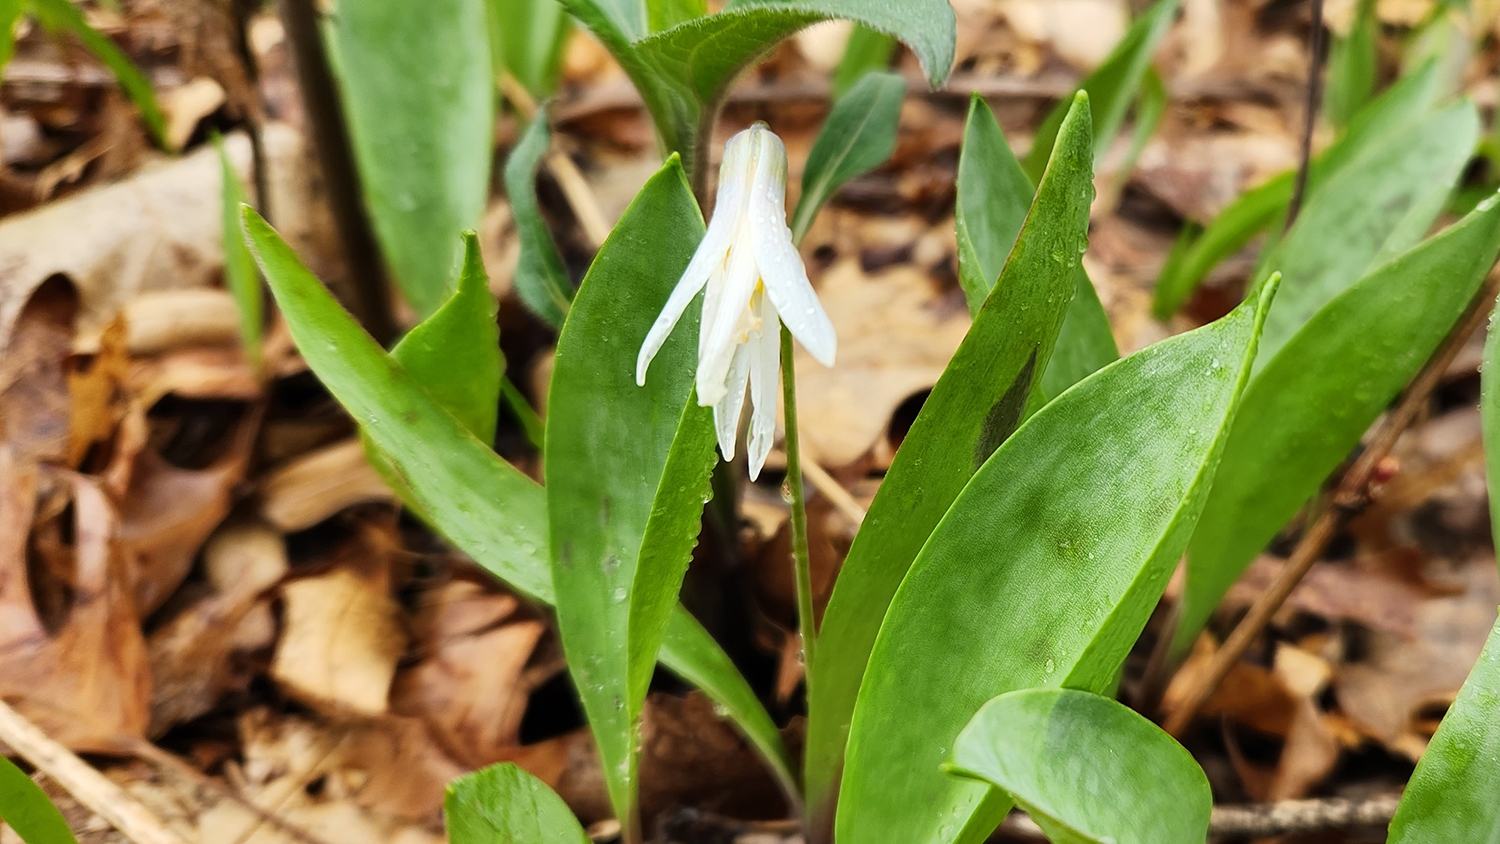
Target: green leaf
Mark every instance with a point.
(975, 405)
(531, 423)
(1084, 346)
(503, 804)
(1352, 67)
(858, 136)
(541, 280)
(664, 14)
(10, 15)
(526, 41)
(1412, 96)
(1042, 573)
(1451, 794)
(420, 104)
(1111, 87)
(25, 809)
(240, 274)
(482, 504)
(1150, 107)
(63, 15)
(1086, 768)
(866, 50)
(1489, 410)
(624, 462)
(1312, 399)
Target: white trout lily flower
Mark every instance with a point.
(755, 280)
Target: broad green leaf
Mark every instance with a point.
(1352, 67)
(994, 194)
(26, 810)
(1111, 87)
(503, 804)
(1042, 573)
(1086, 768)
(975, 405)
(664, 14)
(63, 15)
(541, 280)
(526, 41)
(1451, 794)
(1404, 102)
(482, 504)
(866, 50)
(1310, 401)
(240, 274)
(858, 136)
(610, 445)
(419, 98)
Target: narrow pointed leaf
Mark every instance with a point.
(1086, 768)
(1150, 107)
(503, 804)
(526, 41)
(417, 90)
(858, 136)
(482, 504)
(1352, 66)
(1451, 795)
(608, 446)
(541, 279)
(1312, 400)
(1112, 86)
(1093, 498)
(24, 808)
(1403, 103)
(63, 15)
(1084, 345)
(10, 15)
(240, 274)
(975, 405)
(866, 50)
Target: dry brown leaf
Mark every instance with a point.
(308, 489)
(34, 401)
(340, 643)
(157, 321)
(186, 105)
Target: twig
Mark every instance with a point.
(1314, 98)
(569, 178)
(1351, 495)
(92, 789)
(1260, 820)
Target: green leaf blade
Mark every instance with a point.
(541, 279)
(865, 51)
(24, 808)
(975, 405)
(858, 136)
(526, 40)
(62, 14)
(994, 196)
(240, 274)
(503, 803)
(1094, 498)
(419, 97)
(1086, 766)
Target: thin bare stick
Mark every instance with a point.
(569, 178)
(1263, 820)
(829, 487)
(89, 787)
(1310, 118)
(1351, 496)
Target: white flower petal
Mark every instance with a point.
(724, 327)
(780, 264)
(765, 379)
(727, 410)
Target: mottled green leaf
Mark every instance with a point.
(1042, 573)
(62, 15)
(503, 526)
(1086, 768)
(26, 810)
(418, 95)
(541, 280)
(240, 274)
(1451, 795)
(609, 446)
(974, 406)
(857, 137)
(1312, 399)
(1111, 87)
(866, 50)
(503, 804)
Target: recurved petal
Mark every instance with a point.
(727, 410)
(765, 372)
(725, 327)
(789, 289)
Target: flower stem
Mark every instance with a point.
(801, 563)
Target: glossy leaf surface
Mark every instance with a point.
(857, 137)
(482, 504)
(1309, 404)
(1042, 573)
(1086, 768)
(503, 804)
(608, 446)
(975, 405)
(24, 808)
(418, 94)
(240, 273)
(1451, 794)
(541, 280)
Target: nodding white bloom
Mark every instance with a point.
(755, 279)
